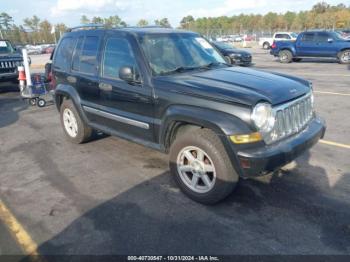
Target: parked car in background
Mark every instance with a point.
(234, 55)
(172, 91)
(49, 50)
(34, 49)
(266, 42)
(318, 44)
(10, 59)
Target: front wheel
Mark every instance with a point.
(285, 56)
(201, 166)
(344, 57)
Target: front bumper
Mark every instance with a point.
(8, 76)
(268, 158)
(242, 61)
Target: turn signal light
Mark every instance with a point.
(247, 138)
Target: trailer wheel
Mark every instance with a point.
(41, 102)
(32, 101)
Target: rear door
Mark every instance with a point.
(306, 45)
(85, 67)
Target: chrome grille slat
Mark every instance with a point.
(290, 118)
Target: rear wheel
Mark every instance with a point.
(344, 57)
(201, 166)
(285, 56)
(266, 45)
(74, 127)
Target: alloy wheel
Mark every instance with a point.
(196, 169)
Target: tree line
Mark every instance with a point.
(321, 16)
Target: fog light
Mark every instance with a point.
(247, 138)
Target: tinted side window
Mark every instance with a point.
(85, 60)
(77, 52)
(308, 37)
(278, 36)
(64, 54)
(117, 53)
(322, 37)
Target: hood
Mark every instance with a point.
(238, 85)
(14, 55)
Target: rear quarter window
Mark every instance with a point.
(63, 55)
(85, 56)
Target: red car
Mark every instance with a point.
(49, 50)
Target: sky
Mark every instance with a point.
(70, 11)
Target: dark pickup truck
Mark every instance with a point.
(171, 90)
(318, 44)
(10, 59)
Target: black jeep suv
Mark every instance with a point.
(172, 91)
(10, 59)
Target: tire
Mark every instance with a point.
(297, 59)
(229, 60)
(41, 102)
(221, 174)
(266, 45)
(285, 56)
(74, 127)
(32, 101)
(344, 57)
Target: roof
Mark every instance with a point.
(131, 29)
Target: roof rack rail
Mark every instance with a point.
(86, 27)
(149, 26)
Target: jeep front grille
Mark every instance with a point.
(290, 118)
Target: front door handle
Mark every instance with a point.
(105, 87)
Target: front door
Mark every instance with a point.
(127, 107)
(326, 46)
(307, 45)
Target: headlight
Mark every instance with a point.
(263, 117)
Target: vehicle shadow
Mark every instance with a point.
(6, 87)
(289, 212)
(10, 107)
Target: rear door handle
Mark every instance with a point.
(105, 87)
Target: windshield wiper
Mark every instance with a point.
(179, 69)
(212, 64)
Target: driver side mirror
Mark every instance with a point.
(129, 74)
(330, 40)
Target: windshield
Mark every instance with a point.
(224, 45)
(175, 53)
(338, 36)
(5, 47)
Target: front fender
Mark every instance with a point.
(221, 123)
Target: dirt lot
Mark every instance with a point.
(110, 196)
